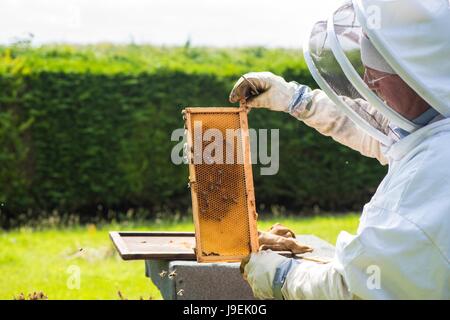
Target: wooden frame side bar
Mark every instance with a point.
(193, 182)
(251, 204)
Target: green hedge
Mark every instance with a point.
(89, 127)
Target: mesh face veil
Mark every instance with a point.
(346, 35)
(328, 74)
(333, 54)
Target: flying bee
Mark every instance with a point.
(163, 273)
(173, 274)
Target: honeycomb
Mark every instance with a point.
(221, 192)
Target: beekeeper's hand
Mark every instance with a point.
(265, 272)
(281, 238)
(266, 90)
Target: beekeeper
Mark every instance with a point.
(384, 70)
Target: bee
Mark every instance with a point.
(163, 273)
(173, 274)
(119, 293)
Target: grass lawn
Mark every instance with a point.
(46, 260)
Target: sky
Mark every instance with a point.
(221, 23)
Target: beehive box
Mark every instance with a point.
(223, 200)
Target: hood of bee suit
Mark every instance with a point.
(371, 58)
(413, 37)
(397, 37)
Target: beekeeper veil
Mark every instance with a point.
(408, 38)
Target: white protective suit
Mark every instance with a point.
(403, 235)
(402, 247)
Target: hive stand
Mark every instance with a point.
(213, 281)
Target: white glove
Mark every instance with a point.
(264, 90)
(261, 270)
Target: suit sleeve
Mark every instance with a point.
(320, 113)
(314, 281)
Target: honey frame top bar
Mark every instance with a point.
(214, 109)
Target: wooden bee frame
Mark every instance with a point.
(223, 199)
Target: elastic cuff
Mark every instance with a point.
(301, 98)
(280, 277)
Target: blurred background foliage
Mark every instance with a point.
(85, 130)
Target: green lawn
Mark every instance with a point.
(46, 260)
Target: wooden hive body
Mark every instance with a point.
(223, 200)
